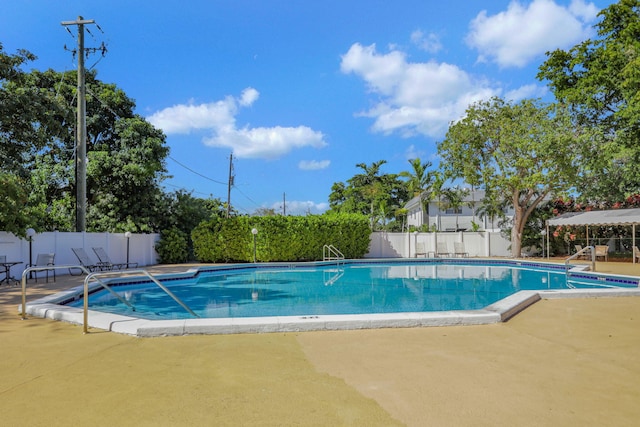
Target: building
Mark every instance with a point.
(440, 217)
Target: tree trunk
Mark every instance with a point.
(517, 228)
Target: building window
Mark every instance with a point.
(453, 211)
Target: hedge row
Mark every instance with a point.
(280, 238)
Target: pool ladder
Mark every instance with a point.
(331, 253)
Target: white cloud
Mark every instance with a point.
(427, 42)
(268, 143)
(310, 165)
(417, 98)
(301, 207)
(220, 119)
(587, 12)
(249, 96)
(186, 118)
(527, 91)
(520, 34)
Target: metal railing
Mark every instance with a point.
(93, 276)
(584, 251)
(127, 272)
(330, 253)
(28, 270)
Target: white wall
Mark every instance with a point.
(141, 248)
(403, 245)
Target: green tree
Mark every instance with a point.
(126, 155)
(28, 116)
(492, 206)
(419, 178)
(265, 212)
(419, 181)
(436, 192)
(454, 199)
(523, 151)
(130, 162)
(13, 196)
(366, 193)
(599, 80)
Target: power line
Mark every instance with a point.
(182, 187)
(247, 197)
(197, 173)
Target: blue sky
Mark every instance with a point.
(302, 91)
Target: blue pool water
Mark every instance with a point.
(350, 288)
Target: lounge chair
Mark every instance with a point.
(105, 261)
(458, 250)
(585, 255)
(86, 262)
(43, 260)
(441, 249)
(602, 251)
(420, 250)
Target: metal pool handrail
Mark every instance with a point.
(577, 254)
(111, 273)
(41, 268)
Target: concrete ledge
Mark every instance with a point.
(514, 304)
(590, 293)
(500, 311)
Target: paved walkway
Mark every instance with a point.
(560, 362)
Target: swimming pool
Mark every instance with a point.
(351, 294)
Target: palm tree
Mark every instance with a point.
(371, 186)
(419, 181)
(436, 191)
(419, 178)
(454, 198)
(491, 206)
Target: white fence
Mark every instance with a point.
(141, 248)
(403, 245)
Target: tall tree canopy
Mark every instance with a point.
(28, 116)
(599, 80)
(522, 151)
(126, 154)
(370, 193)
(419, 181)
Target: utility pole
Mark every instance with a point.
(230, 185)
(284, 204)
(81, 129)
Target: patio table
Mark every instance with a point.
(6, 265)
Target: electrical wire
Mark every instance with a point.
(247, 197)
(90, 92)
(197, 173)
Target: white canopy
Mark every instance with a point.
(629, 217)
(610, 217)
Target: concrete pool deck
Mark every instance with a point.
(560, 362)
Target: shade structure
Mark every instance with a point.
(608, 217)
(625, 217)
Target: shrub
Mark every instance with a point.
(280, 238)
(172, 247)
